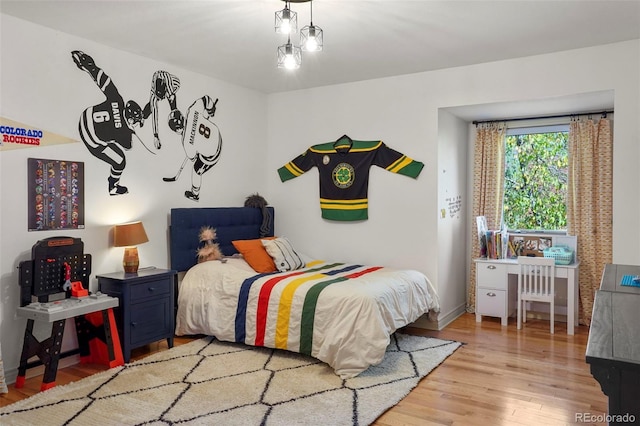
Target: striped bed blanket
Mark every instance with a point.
(342, 314)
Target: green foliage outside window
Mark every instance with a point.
(535, 194)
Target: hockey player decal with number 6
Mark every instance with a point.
(107, 129)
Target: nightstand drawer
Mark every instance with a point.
(148, 289)
(491, 302)
(491, 275)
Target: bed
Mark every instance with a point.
(340, 313)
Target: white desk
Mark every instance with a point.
(495, 297)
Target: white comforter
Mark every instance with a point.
(342, 314)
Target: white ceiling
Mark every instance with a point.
(234, 40)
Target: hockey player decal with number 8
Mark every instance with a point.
(201, 140)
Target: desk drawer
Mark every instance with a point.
(491, 302)
(148, 289)
(491, 275)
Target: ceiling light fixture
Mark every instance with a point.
(286, 20)
(311, 35)
(289, 56)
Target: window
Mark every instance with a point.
(536, 168)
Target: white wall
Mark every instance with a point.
(404, 227)
(400, 208)
(454, 199)
(41, 86)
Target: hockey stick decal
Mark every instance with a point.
(174, 178)
(143, 144)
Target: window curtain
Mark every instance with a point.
(488, 189)
(590, 204)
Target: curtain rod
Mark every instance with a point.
(603, 113)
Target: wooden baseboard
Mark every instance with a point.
(11, 374)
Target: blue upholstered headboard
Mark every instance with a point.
(231, 223)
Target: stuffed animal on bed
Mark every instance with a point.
(257, 201)
(208, 249)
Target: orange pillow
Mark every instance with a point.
(255, 254)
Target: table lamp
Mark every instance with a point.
(128, 235)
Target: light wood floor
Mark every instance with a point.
(500, 376)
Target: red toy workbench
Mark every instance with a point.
(60, 268)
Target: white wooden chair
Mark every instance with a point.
(536, 283)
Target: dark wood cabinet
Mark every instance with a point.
(613, 349)
(146, 310)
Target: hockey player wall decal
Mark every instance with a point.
(201, 140)
(163, 86)
(108, 128)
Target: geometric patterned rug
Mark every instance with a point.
(208, 382)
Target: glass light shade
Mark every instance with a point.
(129, 235)
(311, 38)
(289, 56)
(286, 21)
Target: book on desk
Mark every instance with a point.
(509, 245)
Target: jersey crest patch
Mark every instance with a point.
(343, 175)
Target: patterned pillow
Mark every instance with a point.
(283, 254)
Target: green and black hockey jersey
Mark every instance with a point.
(343, 168)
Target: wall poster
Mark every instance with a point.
(56, 194)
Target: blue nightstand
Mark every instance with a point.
(146, 310)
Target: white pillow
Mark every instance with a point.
(283, 254)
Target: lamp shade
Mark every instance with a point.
(289, 56)
(286, 21)
(129, 234)
(311, 38)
